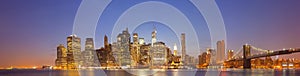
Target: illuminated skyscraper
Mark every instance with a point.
(89, 54)
(135, 50)
(74, 52)
(159, 55)
(183, 48)
(105, 55)
(145, 54)
(123, 46)
(61, 60)
(220, 51)
(153, 36)
(211, 56)
(169, 55)
(116, 53)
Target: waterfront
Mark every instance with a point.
(172, 72)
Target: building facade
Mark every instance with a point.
(230, 54)
(123, 47)
(153, 40)
(220, 57)
(74, 52)
(183, 47)
(159, 55)
(89, 54)
(61, 60)
(135, 50)
(145, 55)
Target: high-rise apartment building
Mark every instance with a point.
(183, 48)
(220, 51)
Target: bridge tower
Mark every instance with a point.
(246, 53)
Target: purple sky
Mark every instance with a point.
(31, 29)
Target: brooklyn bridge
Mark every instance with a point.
(247, 56)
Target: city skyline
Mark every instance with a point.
(32, 30)
(128, 50)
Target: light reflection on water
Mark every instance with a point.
(174, 72)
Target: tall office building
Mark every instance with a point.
(89, 55)
(135, 50)
(183, 48)
(145, 54)
(116, 53)
(220, 51)
(74, 52)
(211, 56)
(61, 60)
(169, 55)
(105, 55)
(153, 40)
(123, 46)
(230, 54)
(204, 58)
(159, 55)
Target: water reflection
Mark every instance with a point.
(173, 72)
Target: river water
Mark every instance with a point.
(171, 72)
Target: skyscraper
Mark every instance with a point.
(74, 52)
(220, 51)
(145, 54)
(183, 49)
(135, 50)
(123, 45)
(153, 40)
(61, 60)
(159, 55)
(211, 56)
(105, 55)
(89, 54)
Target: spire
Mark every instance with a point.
(153, 36)
(175, 46)
(175, 49)
(154, 28)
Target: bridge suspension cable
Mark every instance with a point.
(259, 49)
(240, 50)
